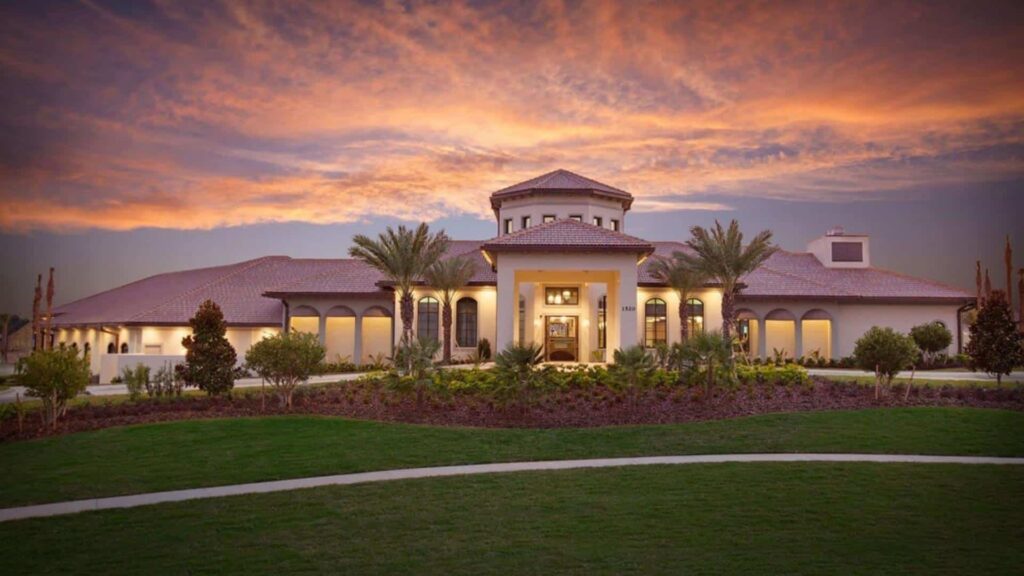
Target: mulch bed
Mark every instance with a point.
(581, 407)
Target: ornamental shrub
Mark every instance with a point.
(785, 375)
(633, 366)
(54, 376)
(996, 344)
(209, 358)
(286, 360)
(135, 379)
(884, 352)
(932, 338)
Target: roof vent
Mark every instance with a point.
(835, 231)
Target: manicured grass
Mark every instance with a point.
(188, 454)
(707, 519)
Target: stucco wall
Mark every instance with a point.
(486, 299)
(562, 208)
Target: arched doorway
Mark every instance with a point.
(780, 334)
(816, 333)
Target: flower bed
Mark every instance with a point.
(575, 399)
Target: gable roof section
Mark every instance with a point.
(561, 181)
(567, 236)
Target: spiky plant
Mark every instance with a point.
(447, 277)
(720, 254)
(684, 278)
(402, 256)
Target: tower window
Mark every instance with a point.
(576, 217)
(598, 221)
(548, 218)
(525, 222)
(508, 225)
(615, 225)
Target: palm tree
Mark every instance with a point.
(721, 255)
(448, 276)
(682, 277)
(403, 256)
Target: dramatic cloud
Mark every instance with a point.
(201, 115)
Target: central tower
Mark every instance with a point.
(560, 195)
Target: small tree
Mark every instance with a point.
(633, 365)
(995, 344)
(286, 360)
(884, 352)
(53, 376)
(136, 380)
(709, 351)
(209, 358)
(932, 338)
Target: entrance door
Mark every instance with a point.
(561, 337)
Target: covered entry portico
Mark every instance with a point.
(600, 275)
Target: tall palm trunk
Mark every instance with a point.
(405, 304)
(446, 324)
(728, 313)
(684, 326)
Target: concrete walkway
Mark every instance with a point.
(75, 506)
(921, 375)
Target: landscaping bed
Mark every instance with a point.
(566, 406)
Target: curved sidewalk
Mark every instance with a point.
(132, 501)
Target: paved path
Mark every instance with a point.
(75, 506)
(921, 375)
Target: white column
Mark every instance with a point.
(507, 309)
(357, 344)
(322, 330)
(833, 344)
(627, 307)
(799, 339)
(762, 338)
(612, 320)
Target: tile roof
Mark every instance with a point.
(567, 236)
(800, 274)
(248, 292)
(560, 180)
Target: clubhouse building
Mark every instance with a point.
(562, 270)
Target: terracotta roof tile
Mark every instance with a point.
(564, 181)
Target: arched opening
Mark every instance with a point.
(748, 331)
(816, 334)
(780, 334)
(124, 348)
(655, 322)
(304, 319)
(522, 320)
(377, 332)
(694, 316)
(427, 318)
(111, 348)
(466, 323)
(602, 322)
(339, 334)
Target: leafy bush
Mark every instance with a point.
(135, 379)
(884, 352)
(286, 360)
(709, 351)
(166, 382)
(634, 366)
(514, 366)
(483, 349)
(209, 358)
(996, 345)
(53, 376)
(932, 338)
(785, 375)
(415, 357)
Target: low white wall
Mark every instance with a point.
(111, 365)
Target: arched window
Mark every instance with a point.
(465, 322)
(124, 348)
(111, 348)
(655, 323)
(602, 322)
(695, 316)
(427, 316)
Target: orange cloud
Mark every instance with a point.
(223, 113)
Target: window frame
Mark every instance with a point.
(507, 227)
(436, 314)
(576, 217)
(655, 332)
(548, 218)
(462, 324)
(525, 222)
(602, 322)
(599, 221)
(616, 227)
(559, 290)
(692, 327)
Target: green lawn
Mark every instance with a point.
(213, 452)
(921, 379)
(706, 519)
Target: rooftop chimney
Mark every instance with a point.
(838, 249)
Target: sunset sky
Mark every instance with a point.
(139, 137)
